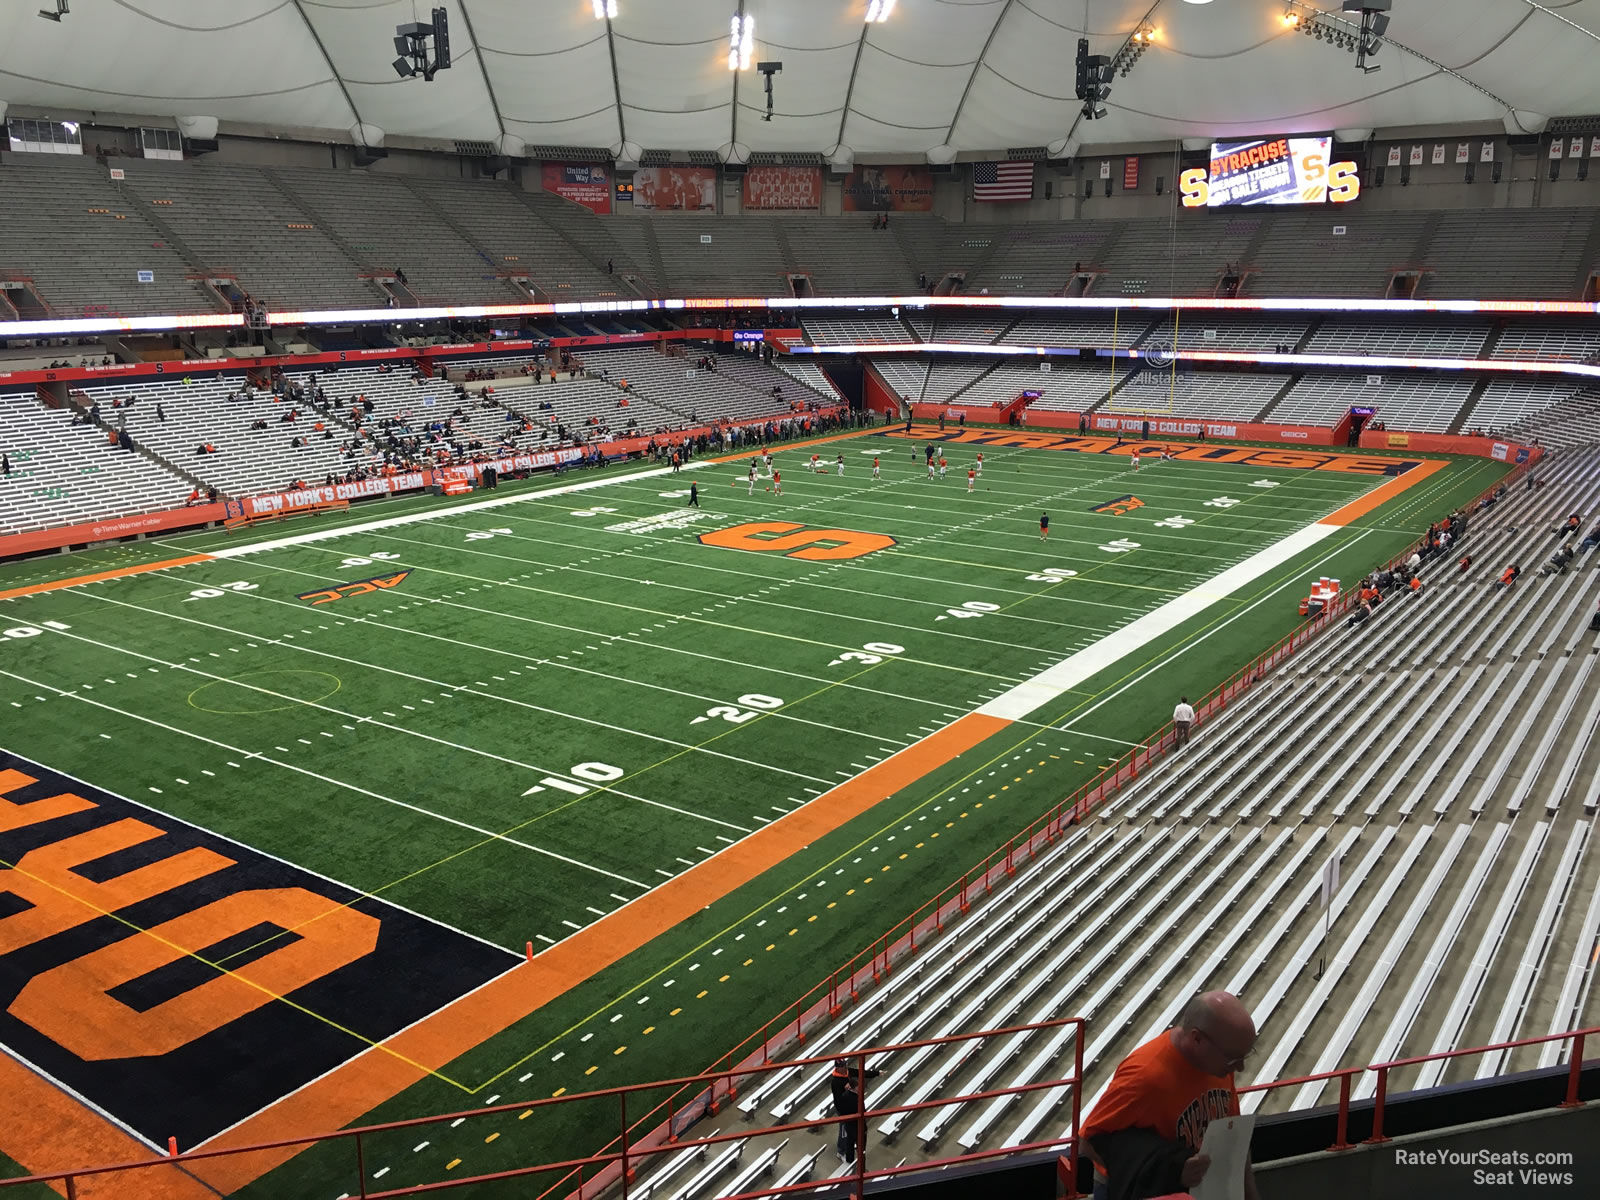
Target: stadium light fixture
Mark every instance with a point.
(61, 10)
(1291, 19)
(605, 10)
(741, 40)
(878, 11)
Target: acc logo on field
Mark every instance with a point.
(360, 588)
(794, 540)
(1119, 507)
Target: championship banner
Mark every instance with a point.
(1130, 173)
(889, 189)
(588, 184)
(675, 189)
(783, 188)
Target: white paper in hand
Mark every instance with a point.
(1227, 1142)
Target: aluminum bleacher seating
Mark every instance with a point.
(742, 258)
(1417, 339)
(905, 376)
(1503, 254)
(1118, 331)
(948, 378)
(843, 331)
(1038, 259)
(1202, 330)
(384, 220)
(520, 241)
(1302, 255)
(68, 229)
(1284, 779)
(242, 225)
(66, 474)
(1547, 341)
(1221, 395)
(1425, 403)
(1081, 387)
(1508, 402)
(979, 329)
(847, 257)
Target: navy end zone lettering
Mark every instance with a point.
(179, 981)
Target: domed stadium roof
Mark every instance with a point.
(978, 75)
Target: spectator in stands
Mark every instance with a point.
(1594, 621)
(1558, 561)
(1414, 563)
(1508, 576)
(1592, 538)
(1569, 527)
(5, 464)
(1144, 1135)
(847, 1103)
(401, 276)
(1361, 615)
(1466, 561)
(1182, 720)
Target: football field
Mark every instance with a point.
(288, 818)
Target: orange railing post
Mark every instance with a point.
(1378, 1101)
(1575, 1073)
(1339, 1138)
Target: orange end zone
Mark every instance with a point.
(55, 585)
(1379, 496)
(48, 1130)
(44, 1129)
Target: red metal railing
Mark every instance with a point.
(620, 1162)
(1346, 1076)
(878, 960)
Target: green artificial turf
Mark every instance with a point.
(388, 740)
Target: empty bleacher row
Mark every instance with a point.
(1444, 753)
(65, 474)
(303, 238)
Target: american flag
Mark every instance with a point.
(1002, 181)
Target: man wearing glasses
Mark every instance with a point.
(1144, 1136)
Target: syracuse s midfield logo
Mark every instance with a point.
(359, 588)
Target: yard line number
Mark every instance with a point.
(754, 704)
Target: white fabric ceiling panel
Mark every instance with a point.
(249, 60)
(1546, 65)
(672, 70)
(358, 36)
(549, 64)
(1221, 69)
(1022, 94)
(897, 104)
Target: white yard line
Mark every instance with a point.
(458, 688)
(328, 779)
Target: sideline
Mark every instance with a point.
(361, 1084)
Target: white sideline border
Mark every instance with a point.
(1012, 705)
(1053, 682)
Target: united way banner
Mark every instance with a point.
(783, 187)
(889, 189)
(588, 184)
(679, 189)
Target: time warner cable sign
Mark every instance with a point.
(1270, 171)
